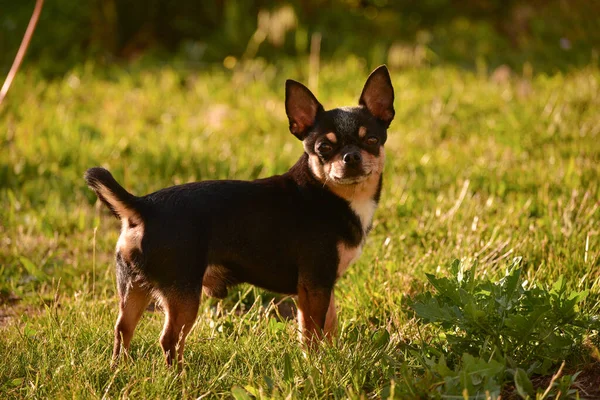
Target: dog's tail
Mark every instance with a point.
(120, 202)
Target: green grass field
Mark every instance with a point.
(480, 167)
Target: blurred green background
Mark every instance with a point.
(550, 35)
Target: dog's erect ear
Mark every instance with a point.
(301, 107)
(378, 95)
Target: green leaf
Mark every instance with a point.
(455, 266)
(510, 284)
(252, 390)
(288, 371)
(432, 311)
(240, 393)
(381, 338)
(16, 382)
(269, 382)
(442, 368)
(276, 326)
(559, 287)
(28, 331)
(471, 282)
(523, 384)
(580, 296)
(524, 324)
(445, 287)
(472, 310)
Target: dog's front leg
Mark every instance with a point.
(316, 313)
(331, 321)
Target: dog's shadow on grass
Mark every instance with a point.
(281, 307)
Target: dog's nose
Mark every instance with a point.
(352, 158)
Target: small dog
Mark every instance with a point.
(294, 233)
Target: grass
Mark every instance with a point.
(479, 167)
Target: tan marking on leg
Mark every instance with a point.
(330, 329)
(131, 307)
(331, 137)
(312, 311)
(300, 325)
(362, 131)
(181, 312)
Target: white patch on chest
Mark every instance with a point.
(365, 209)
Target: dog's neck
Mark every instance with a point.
(362, 197)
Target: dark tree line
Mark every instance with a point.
(70, 31)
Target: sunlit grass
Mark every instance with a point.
(477, 169)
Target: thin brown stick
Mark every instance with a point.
(22, 49)
(554, 378)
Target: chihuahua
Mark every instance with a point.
(294, 233)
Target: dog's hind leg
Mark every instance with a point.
(181, 310)
(133, 300)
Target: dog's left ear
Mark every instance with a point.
(378, 95)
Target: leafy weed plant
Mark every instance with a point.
(488, 332)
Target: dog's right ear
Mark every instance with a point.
(301, 107)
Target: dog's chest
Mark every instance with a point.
(364, 209)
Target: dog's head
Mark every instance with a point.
(344, 145)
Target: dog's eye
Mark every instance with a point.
(372, 140)
(325, 147)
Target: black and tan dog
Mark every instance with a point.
(295, 233)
